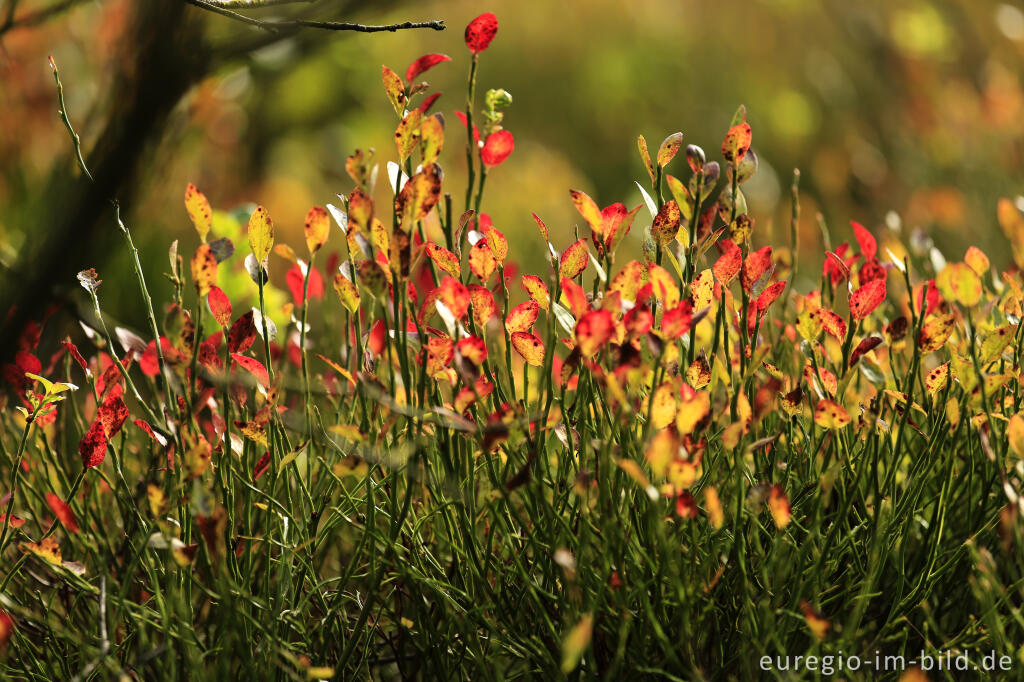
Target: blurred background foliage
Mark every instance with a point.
(890, 108)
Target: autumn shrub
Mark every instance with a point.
(414, 461)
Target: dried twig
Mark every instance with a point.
(277, 24)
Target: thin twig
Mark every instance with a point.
(277, 24)
(254, 4)
(67, 122)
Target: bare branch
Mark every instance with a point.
(278, 24)
(254, 4)
(28, 19)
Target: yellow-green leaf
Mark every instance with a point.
(261, 234)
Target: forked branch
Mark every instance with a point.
(225, 9)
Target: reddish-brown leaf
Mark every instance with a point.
(93, 446)
(863, 347)
(242, 334)
(729, 263)
(112, 414)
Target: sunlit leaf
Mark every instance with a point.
(729, 263)
(669, 148)
(691, 411)
(421, 65)
(574, 260)
(522, 317)
(261, 234)
(62, 512)
(198, 209)
(394, 88)
(497, 147)
(864, 300)
(444, 259)
(866, 241)
(407, 135)
(204, 269)
(575, 643)
(254, 367)
(935, 332)
(537, 290)
(958, 282)
(736, 143)
(666, 223)
(663, 406)
(530, 347)
(830, 415)
(778, 505)
(645, 156)
(593, 330)
(317, 228)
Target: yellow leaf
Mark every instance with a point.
(1015, 432)
(204, 269)
(665, 289)
(394, 88)
(937, 379)
(815, 622)
(662, 449)
(702, 290)
(634, 471)
(431, 139)
(347, 292)
(576, 642)
(778, 505)
(666, 223)
(958, 282)
(317, 228)
(830, 415)
(407, 135)
(419, 196)
(530, 347)
(261, 234)
(977, 260)
(198, 209)
(714, 506)
(690, 413)
(698, 374)
(995, 342)
(935, 332)
(47, 549)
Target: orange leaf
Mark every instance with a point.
(574, 260)
(522, 317)
(587, 208)
(778, 505)
(754, 267)
(530, 347)
(419, 196)
(360, 211)
(444, 259)
(769, 295)
(454, 296)
(729, 263)
(198, 209)
(833, 325)
(484, 307)
(62, 511)
(863, 301)
(482, 261)
(629, 280)
(736, 143)
(541, 226)
(575, 296)
(593, 330)
(473, 349)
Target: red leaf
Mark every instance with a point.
(729, 263)
(375, 341)
(476, 131)
(576, 297)
(425, 107)
(220, 306)
(296, 282)
(497, 148)
(866, 240)
(480, 32)
(427, 61)
(254, 367)
(541, 226)
(864, 300)
(112, 414)
(93, 446)
(676, 321)
(454, 296)
(834, 325)
(62, 511)
(73, 352)
(242, 334)
(261, 466)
